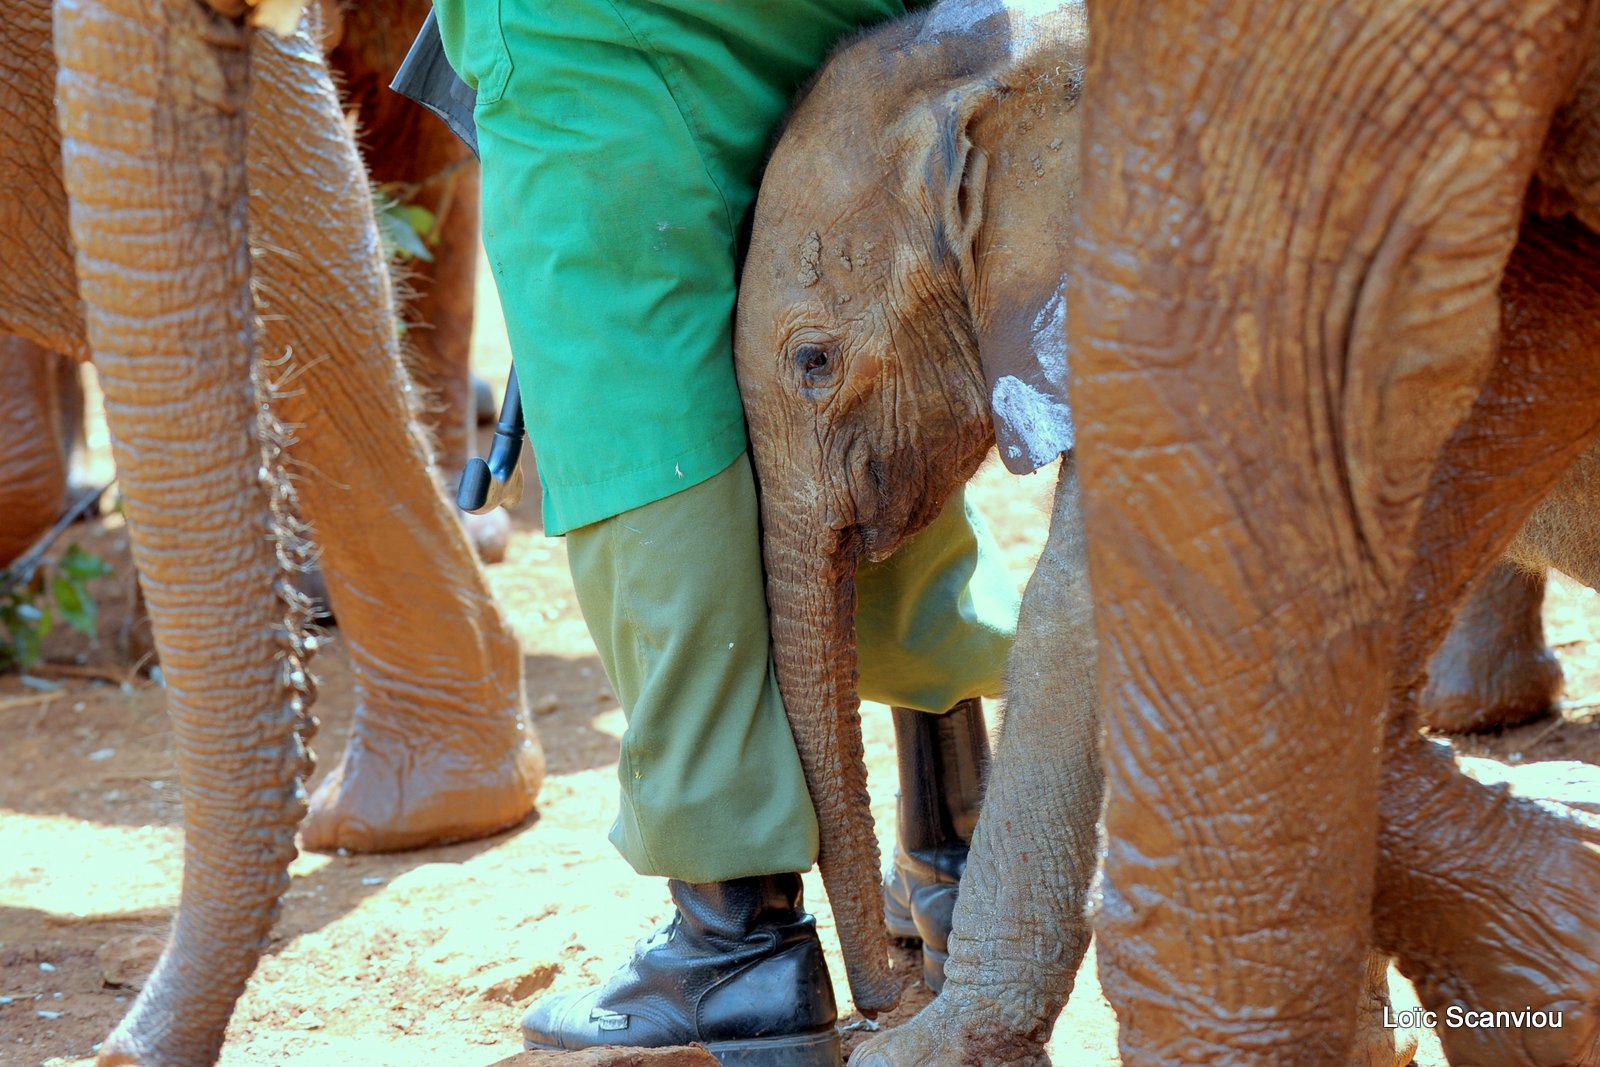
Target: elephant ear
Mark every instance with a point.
(1007, 222)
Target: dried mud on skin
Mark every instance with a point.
(429, 958)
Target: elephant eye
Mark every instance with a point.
(813, 360)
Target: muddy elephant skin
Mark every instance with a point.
(1022, 926)
(125, 236)
(1436, 843)
(1315, 424)
(839, 302)
(34, 444)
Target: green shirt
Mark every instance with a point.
(622, 143)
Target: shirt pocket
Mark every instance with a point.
(491, 42)
(485, 61)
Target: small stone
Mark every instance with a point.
(8, 1000)
(79, 706)
(308, 1021)
(41, 1013)
(100, 754)
(546, 704)
(47, 968)
(373, 880)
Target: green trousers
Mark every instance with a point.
(674, 595)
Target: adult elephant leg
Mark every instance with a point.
(33, 453)
(1494, 668)
(1262, 406)
(1510, 888)
(158, 204)
(442, 748)
(409, 149)
(1021, 921)
(1021, 928)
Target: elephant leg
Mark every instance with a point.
(1494, 668)
(38, 285)
(1262, 405)
(158, 208)
(1564, 530)
(407, 147)
(1510, 889)
(1021, 927)
(1021, 922)
(441, 748)
(33, 452)
(1491, 903)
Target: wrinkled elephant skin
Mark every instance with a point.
(406, 149)
(857, 437)
(849, 440)
(34, 445)
(1396, 355)
(441, 748)
(153, 278)
(904, 396)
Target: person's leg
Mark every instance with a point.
(935, 624)
(712, 792)
(674, 596)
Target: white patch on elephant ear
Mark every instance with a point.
(1039, 424)
(961, 16)
(1032, 419)
(1050, 337)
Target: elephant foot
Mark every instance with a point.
(490, 534)
(1379, 1045)
(1493, 669)
(1515, 686)
(391, 792)
(1530, 950)
(958, 1030)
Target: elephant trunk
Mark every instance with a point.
(152, 110)
(811, 593)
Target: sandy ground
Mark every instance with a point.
(427, 957)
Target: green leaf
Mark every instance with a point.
(75, 603)
(83, 565)
(422, 222)
(401, 228)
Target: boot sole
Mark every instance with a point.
(821, 1049)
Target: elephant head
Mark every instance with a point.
(903, 279)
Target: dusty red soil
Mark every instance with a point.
(426, 957)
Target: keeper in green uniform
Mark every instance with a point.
(621, 143)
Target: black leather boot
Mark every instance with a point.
(944, 761)
(739, 969)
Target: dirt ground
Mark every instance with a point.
(427, 957)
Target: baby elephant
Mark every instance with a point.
(902, 306)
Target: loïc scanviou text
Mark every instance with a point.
(1457, 1017)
